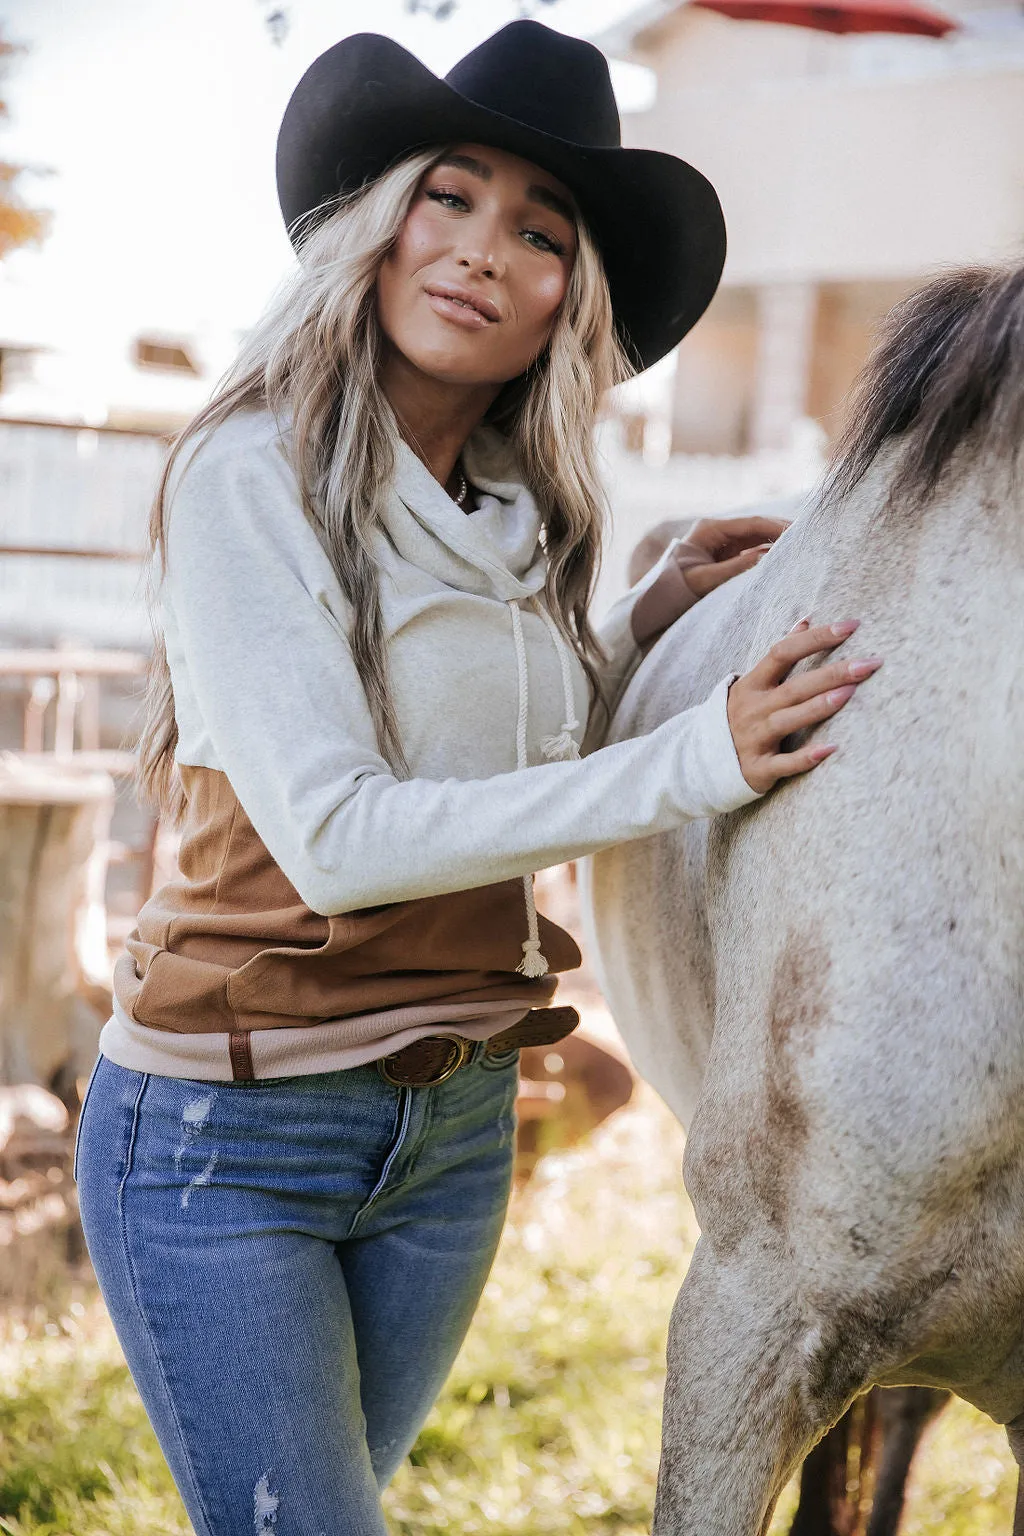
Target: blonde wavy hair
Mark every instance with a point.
(315, 354)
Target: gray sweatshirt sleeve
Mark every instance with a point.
(260, 647)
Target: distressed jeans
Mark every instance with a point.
(291, 1266)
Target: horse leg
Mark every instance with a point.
(830, 1504)
(818, 1476)
(904, 1412)
(736, 1417)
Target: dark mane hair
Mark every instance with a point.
(948, 373)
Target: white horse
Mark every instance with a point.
(828, 986)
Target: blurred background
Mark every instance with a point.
(858, 146)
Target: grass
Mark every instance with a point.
(549, 1422)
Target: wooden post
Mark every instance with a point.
(54, 834)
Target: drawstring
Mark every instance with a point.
(524, 686)
(533, 962)
(562, 746)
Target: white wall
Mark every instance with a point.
(842, 158)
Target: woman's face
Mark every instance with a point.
(470, 290)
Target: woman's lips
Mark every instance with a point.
(462, 314)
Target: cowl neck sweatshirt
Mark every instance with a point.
(327, 912)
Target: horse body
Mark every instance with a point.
(828, 989)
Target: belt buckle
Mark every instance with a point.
(455, 1060)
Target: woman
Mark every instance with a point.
(376, 667)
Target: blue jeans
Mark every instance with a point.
(291, 1266)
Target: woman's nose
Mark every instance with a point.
(486, 266)
(480, 252)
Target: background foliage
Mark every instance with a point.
(548, 1424)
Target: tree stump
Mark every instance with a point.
(54, 835)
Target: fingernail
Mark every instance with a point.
(847, 627)
(800, 624)
(865, 668)
(817, 753)
(840, 695)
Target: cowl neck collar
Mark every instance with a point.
(493, 551)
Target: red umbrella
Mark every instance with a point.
(838, 15)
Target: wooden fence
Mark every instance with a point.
(87, 492)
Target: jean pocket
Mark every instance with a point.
(81, 1117)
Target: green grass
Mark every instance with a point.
(549, 1422)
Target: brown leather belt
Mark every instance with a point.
(434, 1058)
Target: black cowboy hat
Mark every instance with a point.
(367, 102)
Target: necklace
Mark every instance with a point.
(463, 493)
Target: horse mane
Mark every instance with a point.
(947, 375)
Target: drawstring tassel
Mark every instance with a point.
(533, 963)
(563, 746)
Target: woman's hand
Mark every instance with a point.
(766, 704)
(733, 544)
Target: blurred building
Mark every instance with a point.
(850, 169)
(150, 380)
(85, 420)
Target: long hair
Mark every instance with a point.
(315, 355)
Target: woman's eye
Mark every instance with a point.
(550, 244)
(447, 199)
(438, 195)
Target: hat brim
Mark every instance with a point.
(367, 102)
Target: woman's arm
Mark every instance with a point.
(262, 647)
(673, 566)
